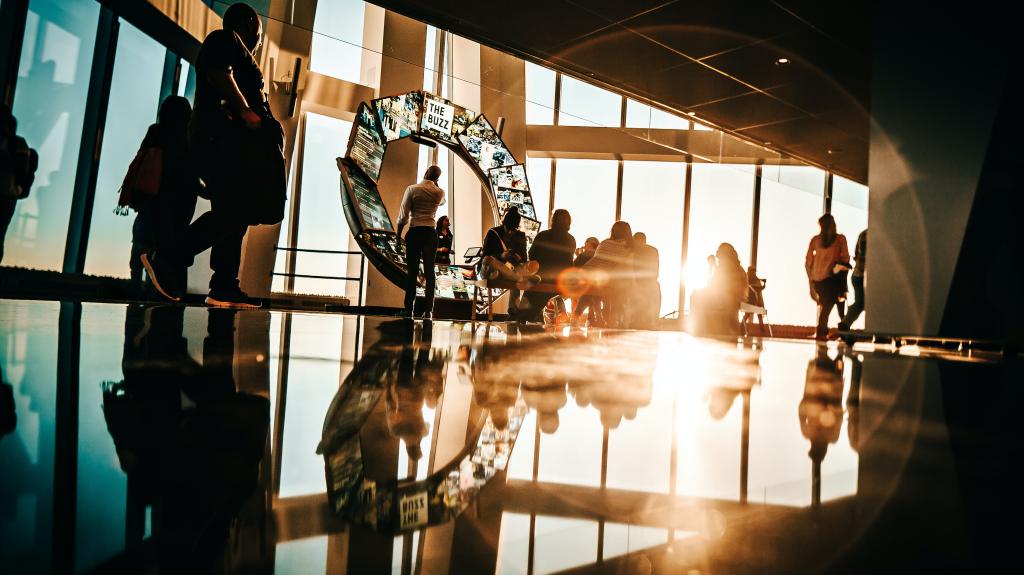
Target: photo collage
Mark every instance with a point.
(399, 115)
(366, 147)
(511, 189)
(482, 144)
(443, 120)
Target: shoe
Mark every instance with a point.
(160, 277)
(232, 299)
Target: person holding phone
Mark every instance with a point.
(445, 238)
(827, 262)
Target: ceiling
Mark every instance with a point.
(713, 58)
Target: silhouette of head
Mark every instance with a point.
(591, 243)
(511, 219)
(443, 223)
(621, 231)
(640, 238)
(175, 112)
(561, 220)
(243, 20)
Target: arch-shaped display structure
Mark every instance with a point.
(424, 116)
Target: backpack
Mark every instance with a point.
(142, 182)
(17, 176)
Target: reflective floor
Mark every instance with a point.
(171, 439)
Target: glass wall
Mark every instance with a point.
(584, 105)
(850, 209)
(721, 211)
(134, 100)
(791, 203)
(540, 95)
(643, 116)
(652, 203)
(338, 38)
(587, 189)
(53, 81)
(538, 172)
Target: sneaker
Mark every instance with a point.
(160, 277)
(233, 299)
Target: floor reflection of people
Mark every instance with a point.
(821, 410)
(8, 416)
(190, 444)
(419, 383)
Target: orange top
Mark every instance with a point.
(820, 260)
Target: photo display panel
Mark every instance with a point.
(366, 148)
(482, 144)
(530, 227)
(368, 201)
(399, 115)
(452, 282)
(443, 120)
(511, 189)
(387, 244)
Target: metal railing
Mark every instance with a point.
(290, 285)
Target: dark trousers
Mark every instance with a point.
(7, 207)
(858, 302)
(420, 247)
(828, 292)
(218, 229)
(159, 225)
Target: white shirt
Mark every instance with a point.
(420, 205)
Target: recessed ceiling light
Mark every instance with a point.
(782, 61)
(767, 143)
(694, 114)
(835, 151)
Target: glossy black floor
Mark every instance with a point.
(172, 439)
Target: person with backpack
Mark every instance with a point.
(164, 198)
(505, 257)
(237, 147)
(18, 164)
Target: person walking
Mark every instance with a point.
(860, 256)
(445, 238)
(418, 211)
(826, 263)
(236, 145)
(18, 164)
(553, 250)
(160, 220)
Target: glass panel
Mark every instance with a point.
(322, 224)
(561, 544)
(789, 219)
(587, 189)
(301, 556)
(721, 210)
(573, 454)
(585, 105)
(134, 100)
(850, 209)
(620, 538)
(102, 485)
(540, 95)
(513, 544)
(28, 362)
(652, 202)
(338, 39)
(53, 81)
(640, 115)
(538, 172)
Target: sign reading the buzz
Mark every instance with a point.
(413, 509)
(438, 116)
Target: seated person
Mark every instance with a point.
(715, 309)
(552, 250)
(504, 253)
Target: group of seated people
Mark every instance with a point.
(714, 310)
(615, 281)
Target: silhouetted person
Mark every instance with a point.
(821, 411)
(826, 263)
(445, 239)
(419, 209)
(190, 444)
(552, 249)
(583, 304)
(232, 137)
(716, 307)
(611, 270)
(755, 295)
(8, 416)
(18, 165)
(162, 220)
(860, 268)
(647, 290)
(505, 257)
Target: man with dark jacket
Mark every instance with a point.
(553, 249)
(18, 165)
(230, 123)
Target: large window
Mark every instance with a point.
(643, 116)
(538, 172)
(337, 39)
(540, 95)
(584, 105)
(721, 211)
(134, 99)
(652, 203)
(850, 209)
(587, 189)
(791, 203)
(53, 81)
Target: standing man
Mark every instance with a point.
(231, 115)
(860, 255)
(419, 210)
(648, 291)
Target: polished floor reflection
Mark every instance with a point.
(173, 439)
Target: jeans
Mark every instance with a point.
(420, 247)
(828, 292)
